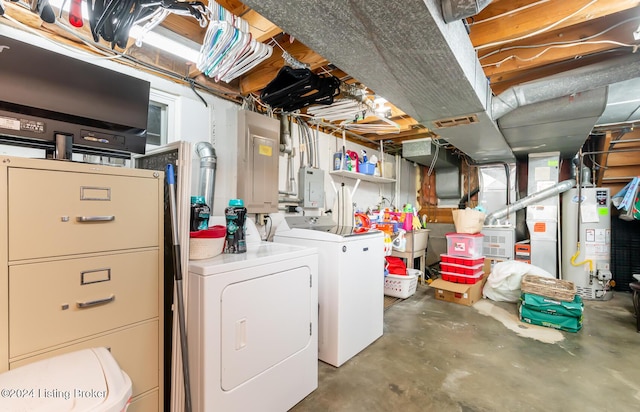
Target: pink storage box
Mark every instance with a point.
(464, 270)
(465, 244)
(460, 278)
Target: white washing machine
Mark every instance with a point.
(252, 328)
(351, 283)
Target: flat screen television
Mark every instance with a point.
(44, 94)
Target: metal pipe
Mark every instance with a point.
(286, 147)
(570, 82)
(208, 163)
(285, 134)
(492, 219)
(624, 141)
(453, 10)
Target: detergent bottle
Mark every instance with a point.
(353, 160)
(407, 223)
(388, 246)
(400, 242)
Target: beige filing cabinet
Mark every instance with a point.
(81, 265)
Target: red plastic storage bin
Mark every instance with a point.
(460, 278)
(462, 269)
(465, 244)
(459, 260)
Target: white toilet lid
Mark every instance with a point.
(86, 380)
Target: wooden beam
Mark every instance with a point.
(623, 158)
(616, 172)
(535, 18)
(262, 30)
(506, 61)
(415, 130)
(391, 137)
(502, 82)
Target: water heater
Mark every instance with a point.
(586, 220)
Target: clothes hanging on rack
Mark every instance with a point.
(293, 89)
(228, 49)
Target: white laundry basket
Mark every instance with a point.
(401, 286)
(81, 381)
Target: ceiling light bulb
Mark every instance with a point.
(165, 44)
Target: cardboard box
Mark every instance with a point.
(461, 293)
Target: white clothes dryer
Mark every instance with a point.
(252, 328)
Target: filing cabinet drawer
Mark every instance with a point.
(57, 213)
(59, 301)
(135, 349)
(147, 403)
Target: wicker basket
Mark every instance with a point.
(549, 287)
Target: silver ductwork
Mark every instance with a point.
(566, 84)
(492, 219)
(406, 52)
(562, 124)
(453, 10)
(208, 163)
(415, 55)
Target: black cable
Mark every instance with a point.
(270, 227)
(191, 83)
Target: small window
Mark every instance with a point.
(161, 123)
(157, 124)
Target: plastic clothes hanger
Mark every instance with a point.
(228, 49)
(261, 53)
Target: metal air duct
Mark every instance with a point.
(492, 219)
(406, 52)
(566, 84)
(208, 163)
(453, 10)
(623, 103)
(562, 124)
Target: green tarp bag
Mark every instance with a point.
(566, 323)
(552, 306)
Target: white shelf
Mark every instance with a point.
(361, 176)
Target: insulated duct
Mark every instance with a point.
(406, 52)
(208, 162)
(566, 84)
(453, 10)
(492, 219)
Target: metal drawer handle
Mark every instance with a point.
(83, 305)
(83, 219)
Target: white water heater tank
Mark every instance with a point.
(586, 218)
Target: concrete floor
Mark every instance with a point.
(440, 356)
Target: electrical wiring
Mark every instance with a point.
(535, 33)
(579, 41)
(538, 55)
(508, 13)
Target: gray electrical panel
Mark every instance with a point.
(311, 187)
(258, 155)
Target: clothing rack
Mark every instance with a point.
(228, 49)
